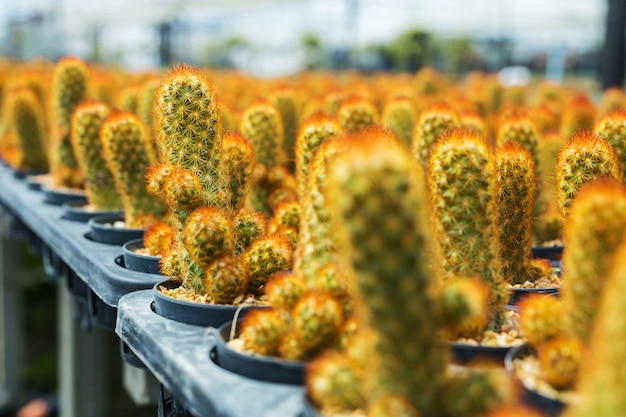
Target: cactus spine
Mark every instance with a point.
(100, 186)
(584, 157)
(129, 154)
(69, 88)
(26, 118)
(463, 184)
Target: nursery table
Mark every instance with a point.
(96, 288)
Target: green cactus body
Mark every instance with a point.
(208, 235)
(182, 191)
(463, 184)
(313, 131)
(248, 225)
(433, 121)
(266, 256)
(226, 280)
(158, 237)
(190, 136)
(584, 157)
(263, 330)
(515, 173)
(592, 233)
(356, 113)
(69, 88)
(560, 360)
(25, 115)
(537, 322)
(400, 116)
(600, 390)
(612, 127)
(317, 318)
(128, 99)
(284, 290)
(129, 154)
(378, 185)
(285, 101)
(579, 114)
(262, 125)
(100, 184)
(237, 166)
(145, 102)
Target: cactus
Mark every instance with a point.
(285, 101)
(128, 99)
(208, 235)
(537, 322)
(599, 389)
(100, 186)
(612, 127)
(284, 290)
(225, 280)
(237, 165)
(69, 88)
(515, 201)
(145, 103)
(559, 361)
(158, 237)
(25, 116)
(248, 225)
(267, 255)
(593, 231)
(128, 154)
(356, 113)
(433, 121)
(190, 136)
(263, 330)
(462, 181)
(313, 131)
(375, 183)
(584, 157)
(400, 116)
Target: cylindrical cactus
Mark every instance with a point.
(432, 122)
(537, 321)
(266, 256)
(593, 231)
(399, 115)
(584, 157)
(463, 184)
(285, 101)
(26, 117)
(69, 88)
(100, 186)
(129, 153)
(356, 113)
(313, 131)
(236, 165)
(515, 173)
(560, 360)
(248, 225)
(579, 114)
(612, 127)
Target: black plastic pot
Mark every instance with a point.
(61, 196)
(518, 294)
(103, 231)
(137, 261)
(197, 314)
(75, 210)
(550, 406)
(463, 353)
(262, 368)
(21, 174)
(553, 253)
(35, 182)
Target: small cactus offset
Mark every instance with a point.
(432, 122)
(237, 165)
(26, 117)
(515, 201)
(267, 255)
(584, 157)
(462, 174)
(248, 225)
(69, 88)
(100, 186)
(356, 113)
(612, 127)
(399, 115)
(592, 234)
(313, 131)
(129, 154)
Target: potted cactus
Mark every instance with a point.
(219, 255)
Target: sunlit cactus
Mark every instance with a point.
(400, 116)
(612, 127)
(128, 99)
(584, 157)
(462, 174)
(262, 125)
(248, 225)
(284, 290)
(225, 280)
(266, 256)
(237, 165)
(129, 153)
(578, 114)
(593, 231)
(208, 235)
(100, 186)
(263, 330)
(356, 113)
(25, 117)
(69, 88)
(158, 237)
(313, 131)
(560, 360)
(286, 101)
(432, 122)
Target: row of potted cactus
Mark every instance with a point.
(376, 219)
